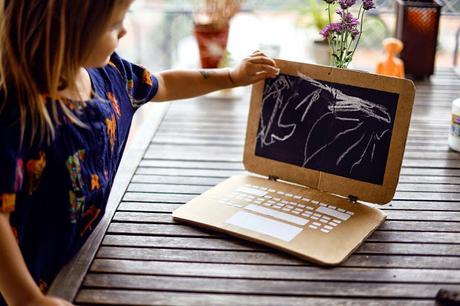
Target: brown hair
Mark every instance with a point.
(43, 44)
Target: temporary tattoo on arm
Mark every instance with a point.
(206, 73)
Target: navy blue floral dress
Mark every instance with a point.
(57, 192)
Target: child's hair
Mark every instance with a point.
(43, 43)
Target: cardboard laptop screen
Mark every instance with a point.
(315, 124)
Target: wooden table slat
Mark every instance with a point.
(144, 257)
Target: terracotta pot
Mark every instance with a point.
(212, 43)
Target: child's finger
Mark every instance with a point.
(258, 52)
(262, 60)
(267, 68)
(262, 75)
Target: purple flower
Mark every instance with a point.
(331, 28)
(347, 23)
(348, 19)
(368, 4)
(344, 4)
(343, 36)
(354, 32)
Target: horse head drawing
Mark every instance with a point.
(336, 128)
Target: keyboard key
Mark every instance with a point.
(289, 195)
(316, 224)
(276, 214)
(252, 191)
(341, 210)
(297, 197)
(315, 202)
(333, 213)
(264, 225)
(324, 230)
(350, 213)
(235, 204)
(328, 227)
(312, 226)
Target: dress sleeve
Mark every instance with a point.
(141, 85)
(11, 169)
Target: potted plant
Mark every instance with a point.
(211, 26)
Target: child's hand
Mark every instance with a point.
(256, 67)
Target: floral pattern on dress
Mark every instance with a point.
(19, 175)
(73, 164)
(111, 126)
(35, 168)
(7, 202)
(57, 192)
(114, 102)
(147, 78)
(95, 185)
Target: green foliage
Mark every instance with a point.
(317, 11)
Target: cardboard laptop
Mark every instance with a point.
(321, 140)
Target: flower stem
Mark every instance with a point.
(360, 30)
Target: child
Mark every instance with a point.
(66, 104)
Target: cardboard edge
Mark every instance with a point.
(379, 194)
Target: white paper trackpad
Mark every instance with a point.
(264, 225)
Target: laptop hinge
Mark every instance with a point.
(352, 198)
(272, 178)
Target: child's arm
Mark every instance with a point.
(181, 84)
(16, 284)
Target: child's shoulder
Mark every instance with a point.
(118, 63)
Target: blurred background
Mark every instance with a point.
(161, 34)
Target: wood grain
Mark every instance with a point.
(146, 258)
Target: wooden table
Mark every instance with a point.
(143, 257)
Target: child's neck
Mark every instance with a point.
(83, 90)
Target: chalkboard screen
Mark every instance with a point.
(334, 128)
